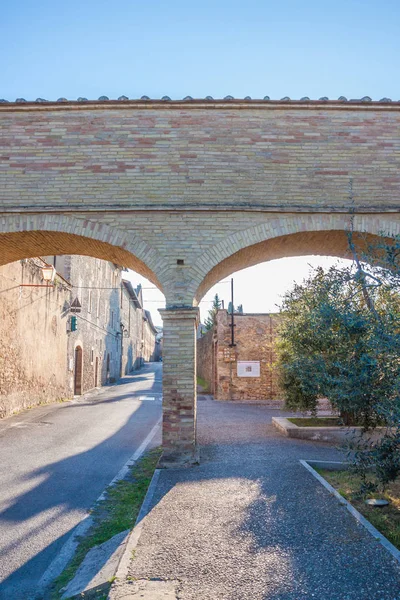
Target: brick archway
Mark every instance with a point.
(286, 236)
(186, 192)
(43, 235)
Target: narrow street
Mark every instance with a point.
(55, 462)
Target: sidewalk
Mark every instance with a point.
(250, 523)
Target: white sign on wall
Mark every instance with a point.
(248, 368)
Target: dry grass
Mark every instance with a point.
(386, 519)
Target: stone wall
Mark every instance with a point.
(97, 287)
(149, 338)
(205, 358)
(254, 338)
(110, 323)
(33, 338)
(132, 320)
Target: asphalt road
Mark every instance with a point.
(55, 461)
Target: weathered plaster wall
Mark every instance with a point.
(33, 338)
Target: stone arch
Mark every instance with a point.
(26, 236)
(285, 236)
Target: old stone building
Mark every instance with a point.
(244, 371)
(85, 329)
(139, 341)
(33, 336)
(94, 348)
(113, 334)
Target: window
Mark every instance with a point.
(98, 306)
(90, 302)
(92, 356)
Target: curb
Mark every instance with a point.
(133, 538)
(358, 516)
(59, 563)
(331, 434)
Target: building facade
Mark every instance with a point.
(33, 336)
(85, 329)
(243, 371)
(114, 334)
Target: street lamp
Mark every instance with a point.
(48, 273)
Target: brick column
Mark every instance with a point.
(179, 387)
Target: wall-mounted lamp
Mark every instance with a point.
(48, 274)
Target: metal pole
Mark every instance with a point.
(232, 317)
(232, 344)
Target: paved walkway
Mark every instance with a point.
(250, 523)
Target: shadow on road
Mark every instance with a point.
(62, 489)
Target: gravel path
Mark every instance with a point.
(251, 524)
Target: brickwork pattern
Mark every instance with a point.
(275, 156)
(212, 245)
(255, 336)
(179, 386)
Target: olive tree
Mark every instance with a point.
(340, 339)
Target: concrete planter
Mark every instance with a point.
(323, 434)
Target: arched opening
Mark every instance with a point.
(108, 368)
(332, 243)
(28, 244)
(78, 364)
(91, 296)
(96, 372)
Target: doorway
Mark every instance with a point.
(96, 371)
(108, 369)
(78, 372)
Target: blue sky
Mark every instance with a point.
(242, 48)
(177, 48)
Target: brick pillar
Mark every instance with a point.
(179, 387)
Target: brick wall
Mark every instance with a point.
(166, 154)
(33, 338)
(254, 338)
